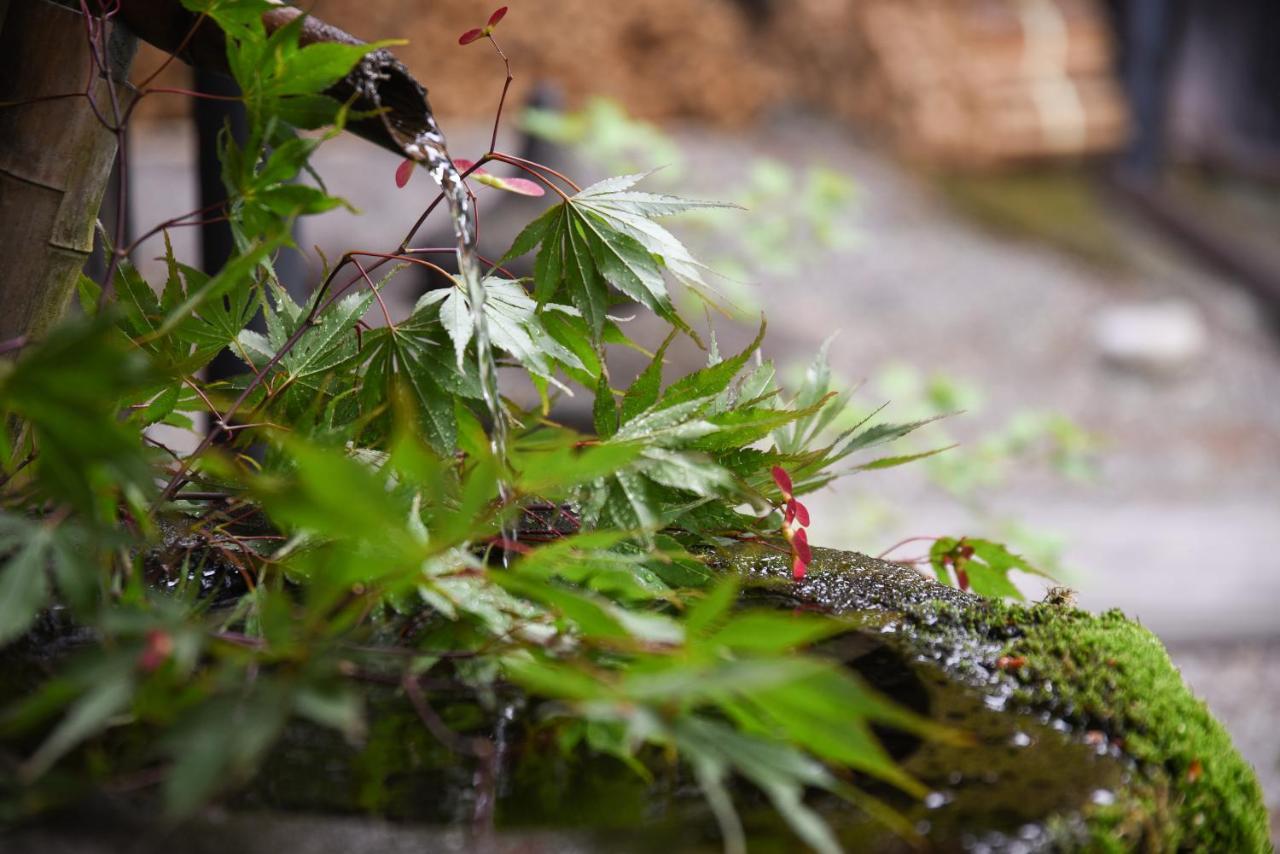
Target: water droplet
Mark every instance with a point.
(934, 800)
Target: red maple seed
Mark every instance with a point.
(158, 648)
(801, 512)
(783, 479)
(962, 578)
(470, 35)
(520, 186)
(404, 172)
(800, 543)
(497, 16)
(789, 513)
(798, 568)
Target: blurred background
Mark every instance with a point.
(1057, 218)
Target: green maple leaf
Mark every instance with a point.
(605, 236)
(324, 350)
(514, 321)
(416, 357)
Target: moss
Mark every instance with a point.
(1062, 208)
(1083, 736)
(1112, 681)
(1103, 679)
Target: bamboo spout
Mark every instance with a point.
(380, 81)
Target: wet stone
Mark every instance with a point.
(1083, 746)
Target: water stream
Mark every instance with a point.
(421, 140)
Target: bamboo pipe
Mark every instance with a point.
(379, 81)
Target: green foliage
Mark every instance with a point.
(605, 236)
(976, 470)
(613, 140)
(351, 493)
(796, 210)
(979, 564)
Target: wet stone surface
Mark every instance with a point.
(1053, 759)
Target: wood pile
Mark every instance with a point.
(968, 83)
(963, 82)
(662, 59)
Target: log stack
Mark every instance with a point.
(966, 83)
(662, 59)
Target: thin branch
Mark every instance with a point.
(450, 250)
(177, 221)
(191, 93)
(901, 543)
(404, 244)
(532, 169)
(497, 120)
(182, 45)
(386, 315)
(520, 161)
(477, 747)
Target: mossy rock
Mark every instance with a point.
(1084, 738)
(1100, 681)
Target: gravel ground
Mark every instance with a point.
(1180, 526)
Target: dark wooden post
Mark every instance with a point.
(55, 159)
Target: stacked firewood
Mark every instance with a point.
(950, 82)
(662, 59)
(963, 82)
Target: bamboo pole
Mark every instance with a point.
(55, 158)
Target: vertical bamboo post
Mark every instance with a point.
(55, 158)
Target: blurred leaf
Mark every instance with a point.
(221, 742)
(23, 586)
(986, 565)
(765, 632)
(69, 388)
(89, 715)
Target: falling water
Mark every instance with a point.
(421, 140)
(429, 148)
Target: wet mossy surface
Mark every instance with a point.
(1111, 678)
(1099, 680)
(1081, 736)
